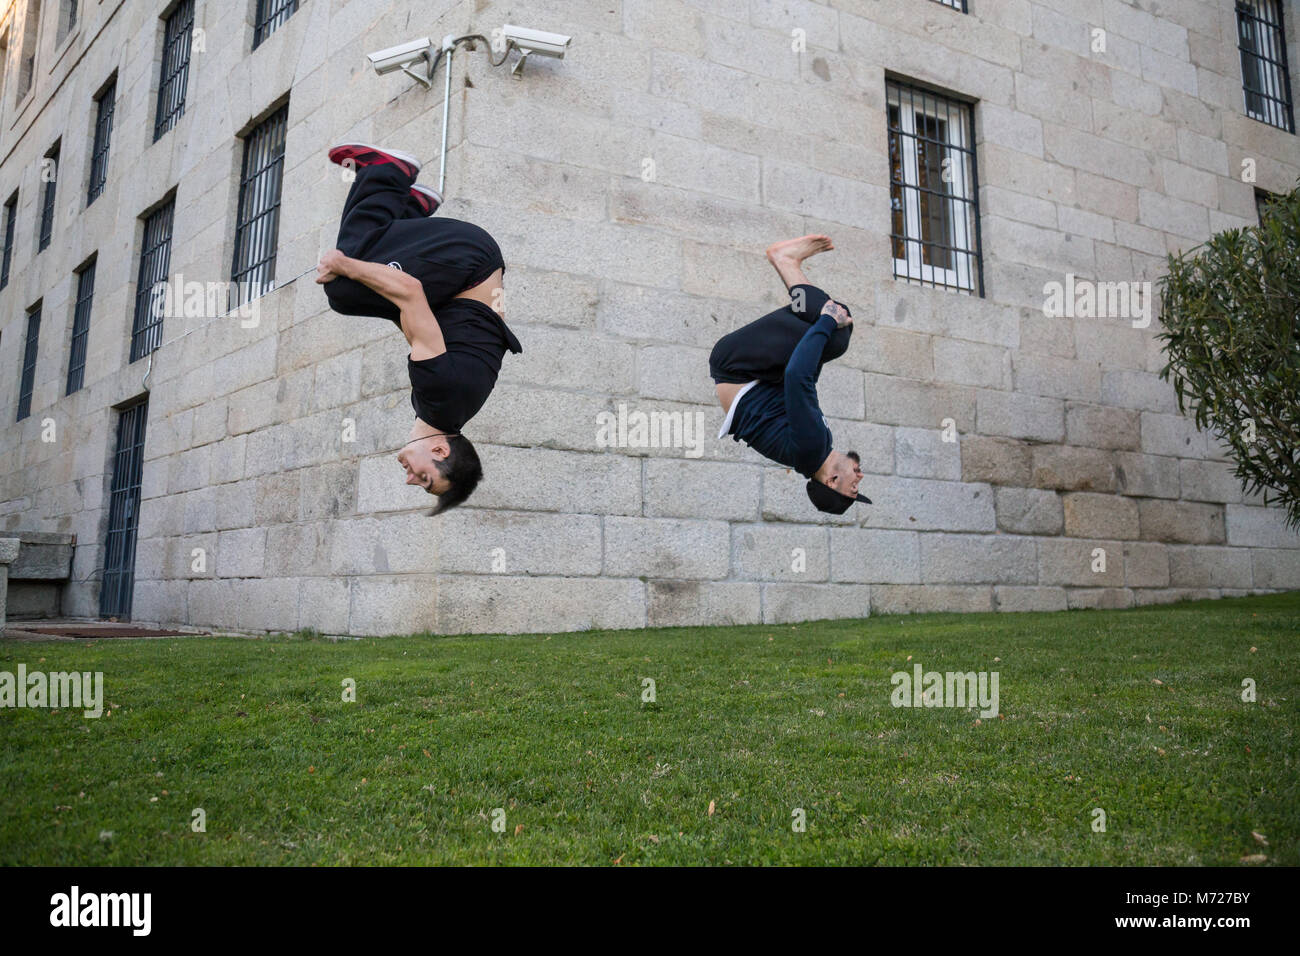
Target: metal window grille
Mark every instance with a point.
(26, 72)
(175, 68)
(123, 514)
(933, 190)
(1265, 78)
(103, 134)
(955, 4)
(67, 19)
(155, 260)
(80, 328)
(258, 221)
(11, 221)
(27, 58)
(270, 15)
(51, 172)
(29, 363)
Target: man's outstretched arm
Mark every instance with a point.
(801, 372)
(419, 324)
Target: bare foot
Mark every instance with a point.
(787, 257)
(797, 250)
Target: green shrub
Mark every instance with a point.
(1231, 312)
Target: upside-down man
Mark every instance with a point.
(439, 280)
(766, 380)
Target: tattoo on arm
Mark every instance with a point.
(837, 312)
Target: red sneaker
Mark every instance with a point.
(428, 198)
(363, 154)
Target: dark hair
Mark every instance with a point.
(462, 469)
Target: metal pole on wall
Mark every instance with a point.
(446, 116)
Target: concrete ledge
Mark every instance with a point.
(42, 556)
(36, 565)
(8, 552)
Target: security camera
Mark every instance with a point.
(536, 41)
(528, 42)
(402, 57)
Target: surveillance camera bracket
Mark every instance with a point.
(422, 80)
(517, 71)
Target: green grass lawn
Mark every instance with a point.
(1137, 712)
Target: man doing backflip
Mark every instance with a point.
(439, 281)
(766, 375)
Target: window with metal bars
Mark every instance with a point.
(151, 286)
(50, 174)
(1261, 40)
(271, 14)
(67, 19)
(11, 222)
(258, 224)
(933, 189)
(175, 76)
(115, 596)
(4, 61)
(104, 107)
(30, 344)
(80, 328)
(955, 4)
(27, 55)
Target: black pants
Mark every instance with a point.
(382, 222)
(760, 350)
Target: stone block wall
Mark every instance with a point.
(633, 187)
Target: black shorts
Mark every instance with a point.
(759, 351)
(382, 223)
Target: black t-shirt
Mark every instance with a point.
(447, 391)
